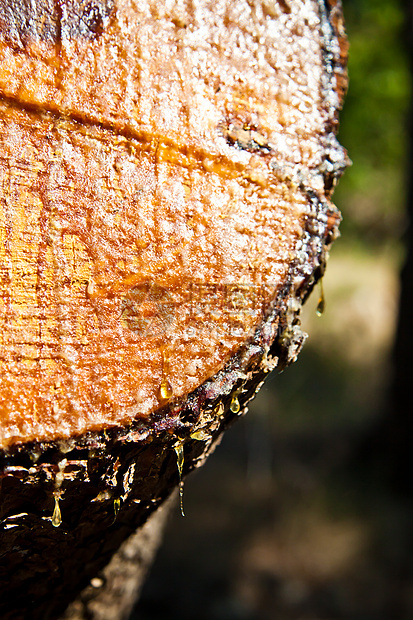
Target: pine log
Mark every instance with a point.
(166, 179)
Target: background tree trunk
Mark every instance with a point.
(388, 446)
(399, 426)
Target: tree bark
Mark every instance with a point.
(113, 593)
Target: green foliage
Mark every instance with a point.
(374, 121)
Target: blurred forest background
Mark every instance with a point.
(296, 516)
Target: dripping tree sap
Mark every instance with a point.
(166, 180)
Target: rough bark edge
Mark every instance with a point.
(337, 56)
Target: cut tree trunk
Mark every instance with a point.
(165, 209)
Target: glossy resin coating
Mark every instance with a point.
(157, 181)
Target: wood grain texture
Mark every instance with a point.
(182, 157)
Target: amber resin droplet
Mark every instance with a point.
(321, 304)
(235, 406)
(200, 435)
(116, 506)
(57, 515)
(179, 449)
(165, 390)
